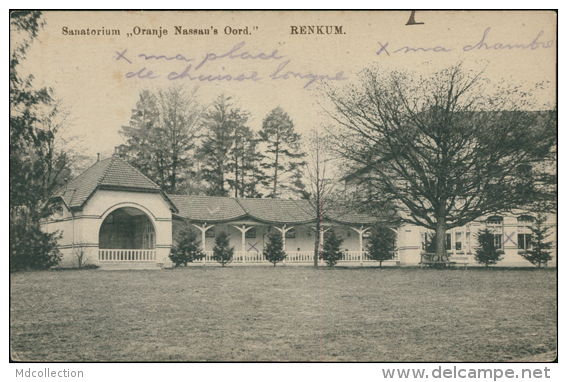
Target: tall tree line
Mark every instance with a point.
(186, 148)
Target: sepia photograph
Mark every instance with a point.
(283, 186)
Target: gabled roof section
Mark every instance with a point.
(110, 174)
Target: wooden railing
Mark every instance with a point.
(299, 256)
(127, 255)
(292, 257)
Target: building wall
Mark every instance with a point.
(81, 232)
(81, 229)
(411, 242)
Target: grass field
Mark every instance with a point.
(284, 314)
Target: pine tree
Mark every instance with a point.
(222, 123)
(188, 248)
(283, 151)
(487, 253)
(540, 252)
(332, 248)
(274, 252)
(382, 244)
(244, 163)
(222, 251)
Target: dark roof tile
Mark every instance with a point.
(112, 172)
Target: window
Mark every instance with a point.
(494, 221)
(498, 241)
(458, 241)
(424, 241)
(210, 232)
(524, 240)
(448, 241)
(525, 220)
(251, 233)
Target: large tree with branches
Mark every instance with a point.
(161, 136)
(38, 164)
(448, 148)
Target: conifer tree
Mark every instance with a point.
(283, 152)
(539, 253)
(222, 251)
(382, 244)
(274, 252)
(244, 163)
(487, 253)
(224, 125)
(332, 248)
(188, 248)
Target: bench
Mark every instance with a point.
(432, 259)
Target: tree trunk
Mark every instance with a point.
(316, 252)
(441, 229)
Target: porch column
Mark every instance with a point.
(203, 230)
(243, 230)
(283, 230)
(361, 231)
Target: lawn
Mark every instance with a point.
(284, 314)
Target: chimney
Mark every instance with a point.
(98, 157)
(116, 150)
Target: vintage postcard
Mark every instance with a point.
(320, 186)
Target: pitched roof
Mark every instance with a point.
(212, 209)
(115, 174)
(279, 210)
(111, 173)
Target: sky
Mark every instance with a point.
(98, 77)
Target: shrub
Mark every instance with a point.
(382, 244)
(188, 248)
(222, 252)
(332, 248)
(487, 253)
(31, 248)
(274, 252)
(539, 253)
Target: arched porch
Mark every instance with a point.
(127, 234)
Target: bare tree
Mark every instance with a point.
(320, 189)
(448, 148)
